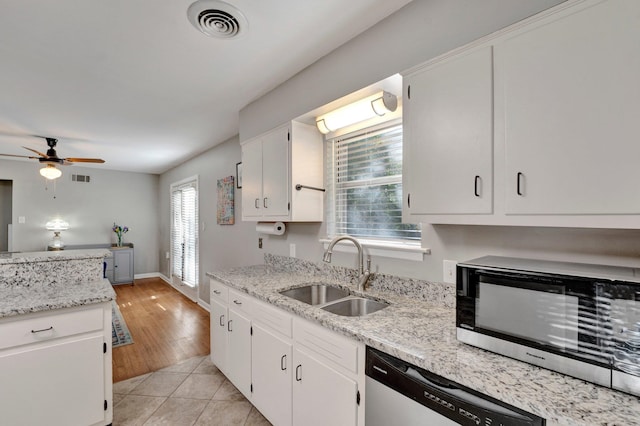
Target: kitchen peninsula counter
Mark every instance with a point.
(419, 327)
(42, 281)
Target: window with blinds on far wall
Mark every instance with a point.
(184, 233)
(364, 182)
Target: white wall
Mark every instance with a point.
(221, 246)
(420, 31)
(90, 208)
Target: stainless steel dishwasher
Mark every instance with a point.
(399, 393)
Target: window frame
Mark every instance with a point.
(393, 247)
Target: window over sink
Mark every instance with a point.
(364, 184)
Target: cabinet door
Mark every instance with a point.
(54, 384)
(571, 97)
(252, 178)
(219, 335)
(448, 136)
(275, 172)
(108, 269)
(321, 395)
(239, 353)
(123, 266)
(271, 365)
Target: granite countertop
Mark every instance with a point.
(46, 280)
(423, 333)
(52, 256)
(25, 300)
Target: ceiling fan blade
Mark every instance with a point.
(19, 156)
(37, 152)
(84, 160)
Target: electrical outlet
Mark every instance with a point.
(260, 242)
(167, 255)
(292, 250)
(22, 219)
(449, 271)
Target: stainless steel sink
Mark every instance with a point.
(316, 293)
(355, 307)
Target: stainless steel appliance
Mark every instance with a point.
(578, 319)
(399, 393)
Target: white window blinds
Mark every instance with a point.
(364, 182)
(184, 233)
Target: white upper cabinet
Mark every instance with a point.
(570, 93)
(546, 113)
(448, 136)
(273, 164)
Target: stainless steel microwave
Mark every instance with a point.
(578, 319)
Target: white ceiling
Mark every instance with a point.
(134, 83)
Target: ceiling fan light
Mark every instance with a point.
(50, 172)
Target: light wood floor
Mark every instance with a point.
(166, 328)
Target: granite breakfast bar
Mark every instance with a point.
(55, 345)
(419, 327)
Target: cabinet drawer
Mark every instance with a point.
(47, 327)
(240, 302)
(219, 291)
(331, 346)
(274, 318)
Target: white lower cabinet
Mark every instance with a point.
(293, 371)
(239, 354)
(219, 337)
(322, 395)
(271, 366)
(56, 368)
(231, 335)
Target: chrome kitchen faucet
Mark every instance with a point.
(364, 274)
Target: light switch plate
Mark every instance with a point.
(449, 271)
(22, 219)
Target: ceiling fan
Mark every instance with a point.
(50, 159)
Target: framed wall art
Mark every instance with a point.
(226, 214)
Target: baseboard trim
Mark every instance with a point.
(205, 305)
(147, 275)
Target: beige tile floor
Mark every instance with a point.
(193, 392)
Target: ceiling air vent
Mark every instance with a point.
(81, 178)
(216, 18)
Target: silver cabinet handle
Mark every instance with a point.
(475, 186)
(229, 325)
(41, 330)
(264, 202)
(255, 203)
(221, 320)
(218, 292)
(237, 303)
(283, 362)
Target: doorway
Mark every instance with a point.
(6, 212)
(184, 236)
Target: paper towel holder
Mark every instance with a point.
(299, 187)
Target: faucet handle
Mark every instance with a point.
(368, 263)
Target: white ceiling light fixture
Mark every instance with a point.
(216, 18)
(50, 172)
(364, 109)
